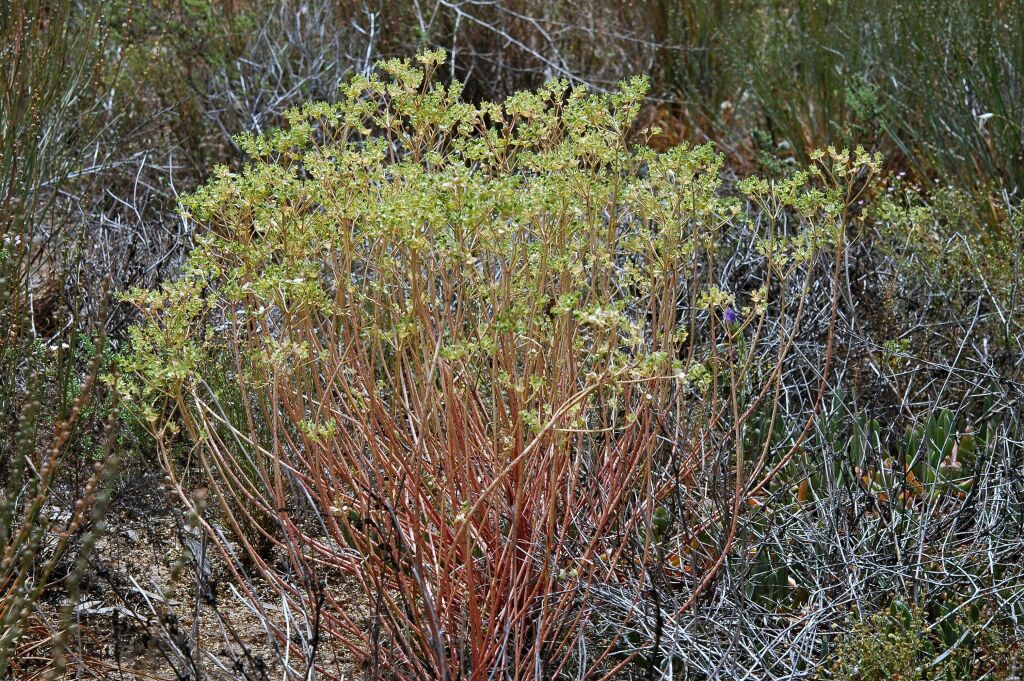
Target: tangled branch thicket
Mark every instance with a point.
(485, 367)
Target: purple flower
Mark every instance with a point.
(729, 316)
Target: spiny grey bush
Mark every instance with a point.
(483, 360)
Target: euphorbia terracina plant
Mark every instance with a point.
(483, 362)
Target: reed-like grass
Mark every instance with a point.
(937, 86)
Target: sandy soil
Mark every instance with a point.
(145, 613)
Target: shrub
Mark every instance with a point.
(949, 268)
(51, 63)
(487, 361)
(900, 643)
(53, 502)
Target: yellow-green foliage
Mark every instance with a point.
(940, 237)
(462, 320)
(420, 217)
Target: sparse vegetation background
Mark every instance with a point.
(514, 339)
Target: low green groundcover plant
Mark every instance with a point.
(466, 357)
(899, 643)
